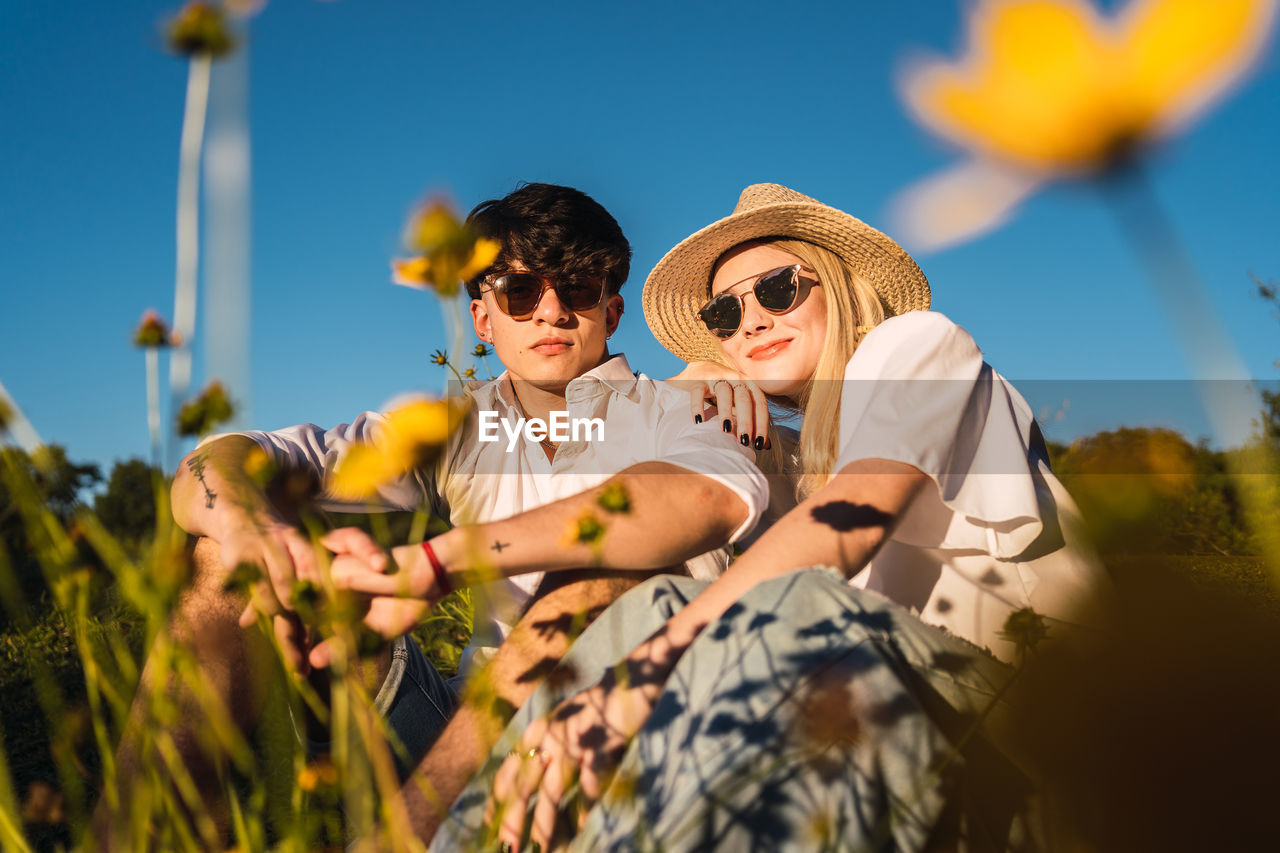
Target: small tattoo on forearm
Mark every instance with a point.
(196, 465)
(498, 546)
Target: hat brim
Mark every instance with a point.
(677, 287)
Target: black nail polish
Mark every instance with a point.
(535, 847)
(767, 444)
(746, 440)
(697, 419)
(728, 425)
(759, 442)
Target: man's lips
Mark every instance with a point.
(764, 352)
(551, 346)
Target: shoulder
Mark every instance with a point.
(917, 343)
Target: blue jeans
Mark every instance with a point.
(811, 715)
(416, 701)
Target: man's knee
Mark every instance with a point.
(565, 604)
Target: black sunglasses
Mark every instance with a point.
(518, 293)
(778, 291)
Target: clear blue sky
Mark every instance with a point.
(663, 111)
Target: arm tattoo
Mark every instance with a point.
(498, 546)
(196, 465)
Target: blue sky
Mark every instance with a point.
(662, 111)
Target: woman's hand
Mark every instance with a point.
(583, 738)
(723, 393)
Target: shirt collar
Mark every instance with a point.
(614, 373)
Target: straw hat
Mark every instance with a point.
(677, 287)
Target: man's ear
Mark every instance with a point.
(480, 320)
(613, 309)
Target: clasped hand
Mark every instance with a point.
(582, 740)
(395, 590)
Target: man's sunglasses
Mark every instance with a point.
(518, 293)
(778, 291)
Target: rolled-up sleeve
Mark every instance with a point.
(707, 450)
(309, 447)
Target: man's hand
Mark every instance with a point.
(584, 737)
(285, 555)
(399, 589)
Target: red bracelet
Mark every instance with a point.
(442, 580)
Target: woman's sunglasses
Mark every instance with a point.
(518, 293)
(778, 291)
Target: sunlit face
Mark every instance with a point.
(553, 346)
(779, 352)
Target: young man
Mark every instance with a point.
(548, 305)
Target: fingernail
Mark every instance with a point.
(697, 419)
(759, 442)
(505, 847)
(746, 440)
(767, 443)
(728, 425)
(535, 847)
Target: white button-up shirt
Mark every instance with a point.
(475, 481)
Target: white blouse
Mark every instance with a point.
(997, 532)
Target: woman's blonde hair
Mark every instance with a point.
(853, 309)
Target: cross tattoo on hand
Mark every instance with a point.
(498, 546)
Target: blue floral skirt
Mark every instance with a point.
(810, 716)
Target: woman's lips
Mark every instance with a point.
(764, 353)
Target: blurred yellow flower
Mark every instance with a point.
(153, 331)
(1052, 88)
(412, 436)
(586, 529)
(615, 498)
(319, 773)
(201, 415)
(449, 252)
(200, 28)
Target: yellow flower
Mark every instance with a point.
(1053, 88)
(200, 28)
(259, 466)
(586, 529)
(319, 773)
(615, 498)
(469, 373)
(152, 331)
(201, 415)
(448, 251)
(412, 436)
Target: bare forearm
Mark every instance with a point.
(842, 525)
(211, 489)
(671, 515)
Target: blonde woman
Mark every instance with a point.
(783, 700)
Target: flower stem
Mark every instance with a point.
(153, 403)
(188, 224)
(1212, 353)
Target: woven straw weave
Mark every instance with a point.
(678, 285)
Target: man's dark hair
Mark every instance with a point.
(554, 231)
